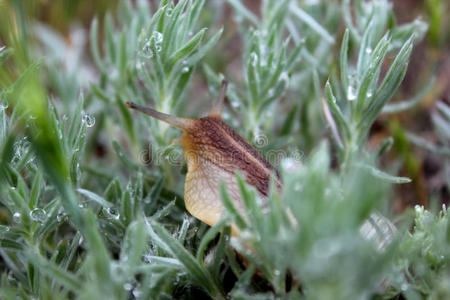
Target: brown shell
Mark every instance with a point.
(218, 143)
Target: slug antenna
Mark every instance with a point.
(218, 106)
(181, 123)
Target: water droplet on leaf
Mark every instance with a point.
(60, 216)
(89, 120)
(38, 215)
(113, 213)
(158, 36)
(351, 93)
(128, 286)
(137, 293)
(17, 217)
(147, 50)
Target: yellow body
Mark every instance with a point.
(201, 190)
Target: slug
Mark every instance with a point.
(215, 152)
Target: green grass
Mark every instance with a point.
(91, 203)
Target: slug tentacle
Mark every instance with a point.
(218, 106)
(181, 123)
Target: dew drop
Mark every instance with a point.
(351, 93)
(17, 217)
(114, 214)
(158, 48)
(404, 287)
(60, 216)
(368, 50)
(137, 293)
(158, 36)
(185, 70)
(169, 12)
(38, 215)
(369, 94)
(128, 286)
(89, 120)
(148, 52)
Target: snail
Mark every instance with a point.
(215, 152)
